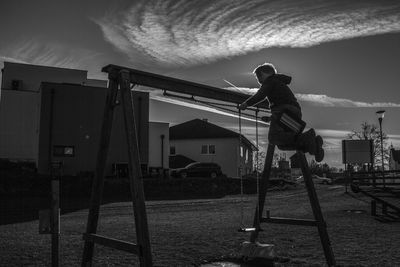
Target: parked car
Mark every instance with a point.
(198, 169)
(316, 179)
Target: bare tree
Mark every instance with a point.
(261, 160)
(372, 132)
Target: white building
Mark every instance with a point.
(53, 114)
(394, 160)
(202, 141)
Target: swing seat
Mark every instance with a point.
(290, 122)
(251, 250)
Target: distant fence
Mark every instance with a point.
(383, 189)
(375, 178)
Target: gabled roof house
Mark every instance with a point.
(203, 141)
(394, 160)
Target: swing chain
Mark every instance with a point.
(240, 167)
(257, 226)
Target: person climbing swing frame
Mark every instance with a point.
(274, 87)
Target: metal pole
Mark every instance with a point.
(162, 155)
(380, 127)
(382, 157)
(162, 150)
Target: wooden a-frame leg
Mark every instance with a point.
(316, 208)
(98, 181)
(263, 191)
(135, 173)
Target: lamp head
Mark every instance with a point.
(380, 113)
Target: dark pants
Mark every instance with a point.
(283, 139)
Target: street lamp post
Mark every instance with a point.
(381, 114)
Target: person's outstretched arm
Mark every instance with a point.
(260, 95)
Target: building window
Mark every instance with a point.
(16, 84)
(64, 151)
(211, 149)
(247, 156)
(241, 151)
(172, 150)
(204, 149)
(208, 149)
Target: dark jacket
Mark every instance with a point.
(276, 89)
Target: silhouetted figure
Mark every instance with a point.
(275, 88)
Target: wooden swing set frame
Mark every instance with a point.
(122, 79)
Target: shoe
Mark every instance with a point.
(307, 142)
(319, 153)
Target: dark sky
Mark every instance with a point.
(343, 55)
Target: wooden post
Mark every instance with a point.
(135, 172)
(318, 218)
(98, 182)
(373, 207)
(323, 234)
(346, 176)
(142, 249)
(263, 191)
(55, 222)
(384, 208)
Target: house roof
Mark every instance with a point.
(201, 129)
(396, 155)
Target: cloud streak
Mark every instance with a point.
(185, 33)
(328, 101)
(38, 52)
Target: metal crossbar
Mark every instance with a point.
(181, 86)
(112, 243)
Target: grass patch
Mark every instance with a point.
(191, 232)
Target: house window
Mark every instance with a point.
(64, 151)
(247, 156)
(241, 151)
(211, 149)
(208, 149)
(172, 150)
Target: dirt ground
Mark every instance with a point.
(193, 232)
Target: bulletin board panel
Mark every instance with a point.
(357, 151)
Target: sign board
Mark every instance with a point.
(357, 151)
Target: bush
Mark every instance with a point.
(16, 179)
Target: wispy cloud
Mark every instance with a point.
(328, 101)
(39, 52)
(175, 33)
